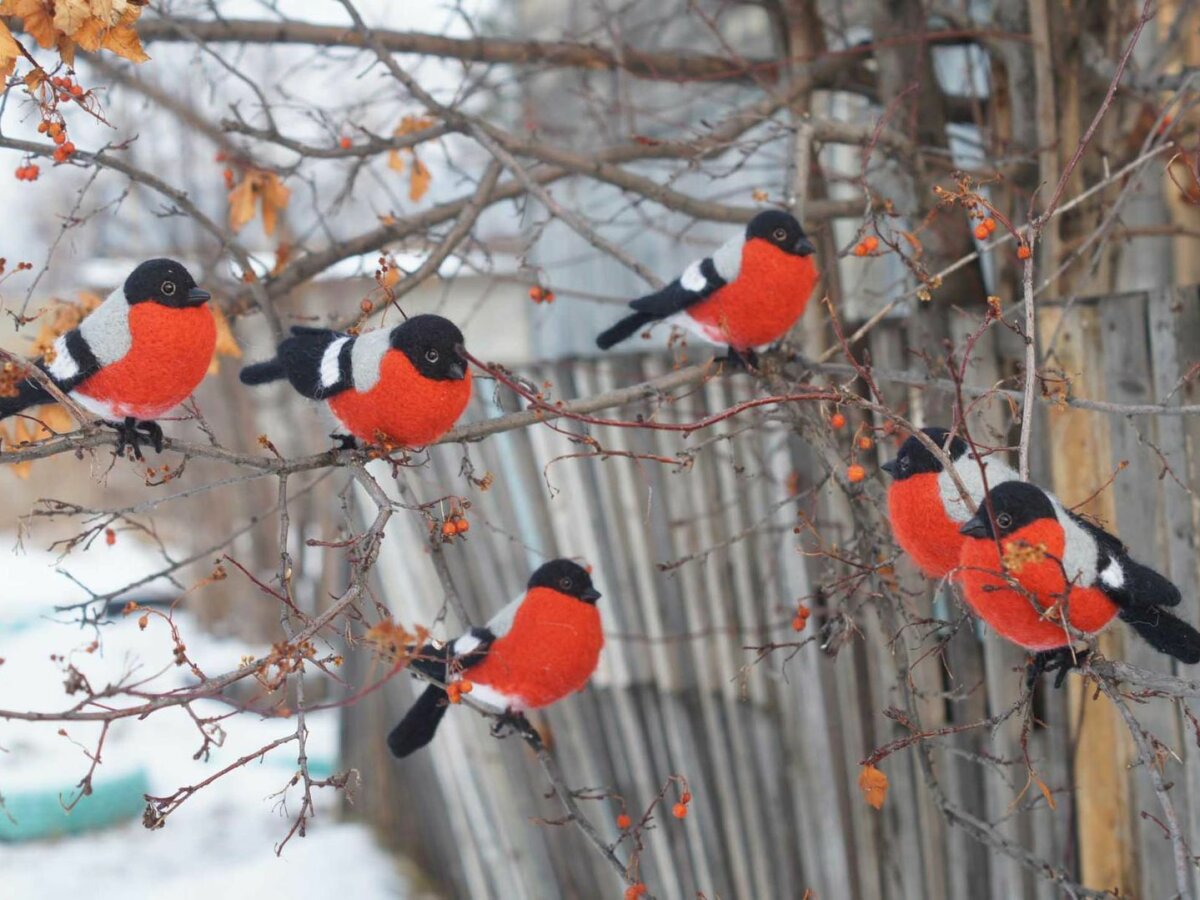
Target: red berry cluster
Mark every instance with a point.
(64, 149)
(680, 809)
(456, 523)
(28, 172)
(985, 228)
(866, 246)
(541, 295)
(800, 620)
(67, 88)
(634, 891)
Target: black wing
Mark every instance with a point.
(1124, 579)
(75, 361)
(675, 297)
(301, 360)
(420, 723)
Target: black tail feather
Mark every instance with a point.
(1164, 632)
(29, 393)
(624, 329)
(419, 724)
(263, 372)
(1148, 587)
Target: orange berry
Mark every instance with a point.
(623, 822)
(43, 127)
(110, 536)
(535, 294)
(1023, 251)
(548, 296)
(454, 692)
(366, 305)
(448, 529)
(686, 797)
(990, 224)
(798, 623)
(54, 129)
(465, 687)
(461, 526)
(871, 243)
(865, 443)
(837, 420)
(58, 137)
(856, 473)
(345, 143)
(68, 148)
(679, 810)
(981, 232)
(861, 249)
(76, 90)
(634, 891)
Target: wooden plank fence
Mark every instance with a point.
(771, 752)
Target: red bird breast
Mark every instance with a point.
(1011, 612)
(170, 352)
(763, 302)
(404, 407)
(921, 526)
(551, 650)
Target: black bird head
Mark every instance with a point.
(781, 229)
(566, 577)
(914, 457)
(1015, 504)
(166, 282)
(432, 344)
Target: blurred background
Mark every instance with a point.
(638, 134)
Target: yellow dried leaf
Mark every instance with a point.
(395, 161)
(874, 786)
(241, 203)
(275, 199)
(35, 19)
(226, 343)
(9, 51)
(418, 181)
(1046, 793)
(123, 40)
(69, 15)
(90, 34)
(56, 419)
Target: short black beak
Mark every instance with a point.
(890, 467)
(196, 296)
(458, 371)
(591, 595)
(804, 247)
(976, 527)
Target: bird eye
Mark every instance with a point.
(432, 356)
(167, 288)
(564, 583)
(779, 234)
(1004, 520)
(905, 464)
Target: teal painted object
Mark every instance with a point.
(40, 815)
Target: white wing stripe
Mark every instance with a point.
(693, 279)
(330, 370)
(64, 366)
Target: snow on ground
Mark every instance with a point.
(220, 842)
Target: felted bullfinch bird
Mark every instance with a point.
(746, 295)
(136, 356)
(1064, 567)
(924, 504)
(538, 649)
(405, 385)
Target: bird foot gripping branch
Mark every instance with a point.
(1061, 660)
(129, 434)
